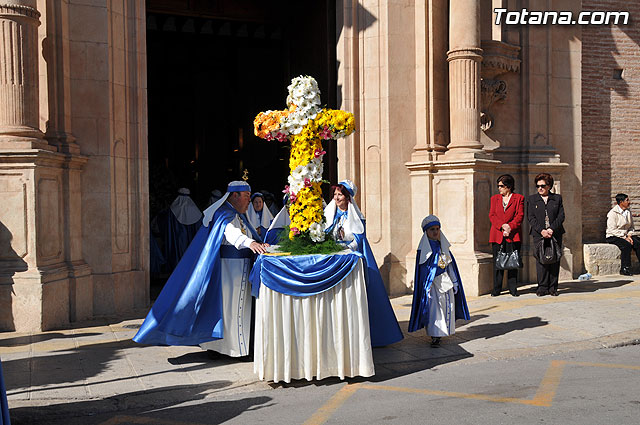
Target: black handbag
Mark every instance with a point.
(548, 251)
(508, 258)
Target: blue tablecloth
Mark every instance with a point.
(301, 275)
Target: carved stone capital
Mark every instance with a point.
(499, 58)
(473, 53)
(16, 11)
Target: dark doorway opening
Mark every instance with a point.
(212, 66)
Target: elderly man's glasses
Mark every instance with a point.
(541, 186)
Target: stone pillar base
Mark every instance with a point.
(44, 283)
(458, 192)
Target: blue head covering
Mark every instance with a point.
(238, 186)
(351, 188)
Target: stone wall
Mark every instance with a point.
(610, 115)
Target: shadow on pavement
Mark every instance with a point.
(590, 286)
(577, 286)
(491, 330)
(74, 366)
(156, 406)
(29, 339)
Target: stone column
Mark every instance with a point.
(19, 20)
(464, 58)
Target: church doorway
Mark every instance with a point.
(211, 67)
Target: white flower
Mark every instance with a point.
(295, 185)
(316, 231)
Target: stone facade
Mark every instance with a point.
(445, 101)
(611, 112)
(73, 171)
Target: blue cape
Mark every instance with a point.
(189, 309)
(383, 324)
(4, 407)
(273, 235)
(176, 237)
(425, 273)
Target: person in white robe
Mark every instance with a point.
(207, 299)
(239, 235)
(259, 216)
(438, 297)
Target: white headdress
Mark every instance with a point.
(183, 207)
(254, 218)
(425, 247)
(354, 223)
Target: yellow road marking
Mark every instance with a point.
(543, 397)
(549, 384)
(486, 397)
(606, 365)
(338, 399)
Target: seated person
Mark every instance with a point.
(620, 232)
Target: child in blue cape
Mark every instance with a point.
(438, 296)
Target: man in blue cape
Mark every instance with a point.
(207, 299)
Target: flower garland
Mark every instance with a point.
(305, 124)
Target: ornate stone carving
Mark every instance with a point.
(490, 92)
(498, 58)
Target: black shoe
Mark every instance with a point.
(542, 292)
(435, 341)
(515, 294)
(626, 271)
(554, 293)
(493, 294)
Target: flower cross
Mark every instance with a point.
(305, 124)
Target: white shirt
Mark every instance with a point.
(235, 233)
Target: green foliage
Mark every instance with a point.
(303, 245)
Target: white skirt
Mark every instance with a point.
(442, 308)
(236, 305)
(317, 336)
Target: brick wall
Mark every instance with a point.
(610, 116)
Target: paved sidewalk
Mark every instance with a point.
(99, 367)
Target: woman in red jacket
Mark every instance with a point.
(506, 215)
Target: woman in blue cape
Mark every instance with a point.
(259, 216)
(438, 296)
(346, 224)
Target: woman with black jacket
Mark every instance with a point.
(546, 215)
